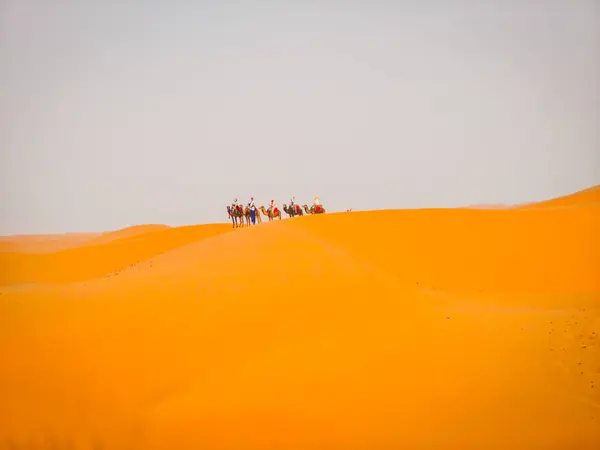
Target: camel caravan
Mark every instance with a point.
(250, 214)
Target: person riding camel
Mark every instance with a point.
(294, 207)
(251, 204)
(316, 204)
(273, 207)
(236, 205)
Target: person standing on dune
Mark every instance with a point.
(252, 210)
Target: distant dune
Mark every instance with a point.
(589, 196)
(44, 243)
(100, 257)
(491, 206)
(47, 243)
(584, 197)
(135, 230)
(433, 328)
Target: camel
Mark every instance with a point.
(292, 210)
(241, 216)
(311, 210)
(231, 213)
(320, 211)
(258, 216)
(269, 213)
(287, 210)
(297, 211)
(237, 216)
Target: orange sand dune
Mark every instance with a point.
(453, 329)
(590, 196)
(135, 230)
(93, 261)
(47, 243)
(44, 243)
(585, 197)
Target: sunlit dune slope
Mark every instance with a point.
(453, 329)
(92, 261)
(503, 250)
(461, 250)
(44, 243)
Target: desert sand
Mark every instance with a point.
(418, 329)
(44, 243)
(48, 243)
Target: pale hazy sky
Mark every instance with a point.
(115, 113)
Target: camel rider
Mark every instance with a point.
(316, 203)
(236, 205)
(251, 204)
(293, 205)
(272, 206)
